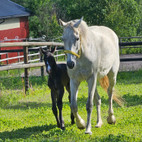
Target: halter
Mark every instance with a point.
(73, 53)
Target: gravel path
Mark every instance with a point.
(130, 65)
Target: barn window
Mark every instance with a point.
(10, 24)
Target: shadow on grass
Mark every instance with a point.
(25, 133)
(132, 100)
(36, 132)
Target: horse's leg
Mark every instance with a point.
(97, 101)
(72, 116)
(54, 108)
(60, 105)
(112, 80)
(89, 105)
(74, 91)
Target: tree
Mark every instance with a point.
(123, 16)
(120, 15)
(43, 20)
(139, 30)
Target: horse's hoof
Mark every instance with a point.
(98, 125)
(72, 122)
(81, 127)
(111, 119)
(88, 132)
(81, 124)
(58, 125)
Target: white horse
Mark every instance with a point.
(92, 53)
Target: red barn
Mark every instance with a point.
(13, 25)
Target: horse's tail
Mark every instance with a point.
(104, 82)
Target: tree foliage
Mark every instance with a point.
(123, 16)
(139, 30)
(43, 20)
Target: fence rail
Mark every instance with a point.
(30, 49)
(29, 56)
(27, 44)
(130, 43)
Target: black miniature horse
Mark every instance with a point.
(57, 80)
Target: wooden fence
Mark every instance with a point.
(130, 43)
(26, 50)
(27, 46)
(26, 64)
(136, 57)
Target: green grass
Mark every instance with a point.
(131, 50)
(30, 118)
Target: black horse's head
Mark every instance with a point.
(49, 60)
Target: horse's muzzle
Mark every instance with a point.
(70, 64)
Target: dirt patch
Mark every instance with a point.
(130, 66)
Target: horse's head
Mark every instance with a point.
(72, 41)
(49, 59)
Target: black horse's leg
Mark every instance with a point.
(60, 105)
(54, 108)
(72, 116)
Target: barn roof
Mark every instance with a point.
(9, 9)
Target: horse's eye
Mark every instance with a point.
(77, 37)
(62, 38)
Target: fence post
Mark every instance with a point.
(41, 60)
(26, 71)
(120, 41)
(7, 58)
(57, 54)
(18, 55)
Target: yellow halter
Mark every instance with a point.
(73, 53)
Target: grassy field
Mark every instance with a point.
(29, 117)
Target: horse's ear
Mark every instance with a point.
(76, 25)
(53, 50)
(62, 23)
(42, 51)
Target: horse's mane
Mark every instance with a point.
(83, 28)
